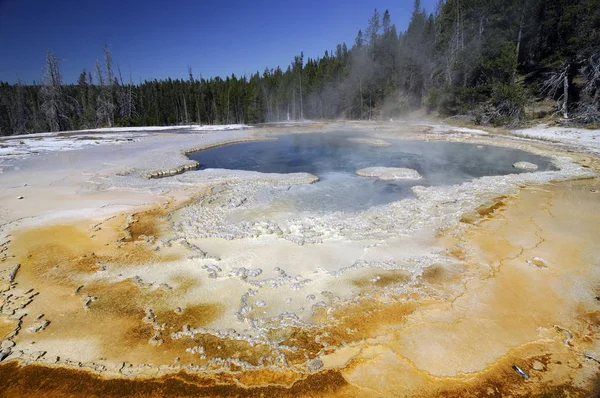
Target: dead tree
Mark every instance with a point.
(124, 96)
(555, 82)
(101, 103)
(519, 38)
(51, 93)
(588, 109)
(110, 87)
(591, 72)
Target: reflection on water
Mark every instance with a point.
(334, 159)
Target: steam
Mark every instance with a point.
(336, 157)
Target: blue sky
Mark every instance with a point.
(159, 39)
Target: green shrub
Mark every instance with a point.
(509, 101)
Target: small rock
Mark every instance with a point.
(19, 197)
(38, 326)
(7, 345)
(525, 166)
(537, 365)
(155, 341)
(37, 355)
(520, 372)
(538, 262)
(87, 300)
(150, 316)
(315, 365)
(4, 354)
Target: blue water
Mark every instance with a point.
(334, 159)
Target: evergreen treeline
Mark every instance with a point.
(486, 59)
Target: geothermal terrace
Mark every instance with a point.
(138, 263)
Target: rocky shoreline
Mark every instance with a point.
(193, 165)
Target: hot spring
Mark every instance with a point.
(335, 158)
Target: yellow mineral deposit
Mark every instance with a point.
(512, 310)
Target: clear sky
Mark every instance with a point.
(161, 38)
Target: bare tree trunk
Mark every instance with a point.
(110, 106)
(101, 105)
(456, 45)
(519, 37)
(459, 28)
(565, 104)
(121, 96)
(552, 86)
(51, 93)
(592, 72)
